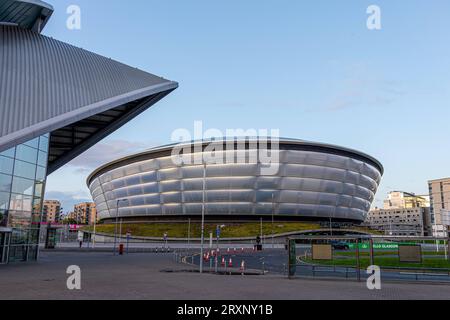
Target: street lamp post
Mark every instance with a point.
(95, 226)
(273, 212)
(115, 229)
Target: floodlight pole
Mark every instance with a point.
(203, 219)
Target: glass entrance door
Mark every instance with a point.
(5, 239)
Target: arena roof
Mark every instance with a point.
(284, 143)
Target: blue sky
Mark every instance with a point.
(311, 69)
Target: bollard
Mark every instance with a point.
(121, 249)
(242, 267)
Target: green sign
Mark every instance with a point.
(376, 246)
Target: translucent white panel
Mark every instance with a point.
(267, 196)
(192, 172)
(268, 183)
(242, 196)
(244, 170)
(191, 208)
(100, 198)
(220, 208)
(287, 209)
(131, 169)
(133, 180)
(328, 199)
(332, 186)
(217, 196)
(352, 177)
(167, 162)
(149, 177)
(138, 211)
(193, 184)
(368, 183)
(292, 170)
(230, 183)
(310, 185)
(173, 209)
(150, 188)
(233, 208)
(136, 201)
(308, 197)
(344, 201)
(96, 192)
(354, 165)
(325, 211)
(363, 193)
(149, 165)
(193, 196)
(153, 199)
(334, 174)
(121, 193)
(118, 184)
(263, 208)
(170, 174)
(219, 170)
(307, 210)
(95, 184)
(171, 197)
(290, 196)
(170, 186)
(135, 191)
(348, 189)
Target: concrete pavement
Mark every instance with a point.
(145, 276)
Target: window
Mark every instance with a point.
(26, 153)
(5, 183)
(24, 169)
(6, 165)
(22, 186)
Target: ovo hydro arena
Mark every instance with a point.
(238, 180)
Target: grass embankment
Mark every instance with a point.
(431, 259)
(180, 230)
(382, 262)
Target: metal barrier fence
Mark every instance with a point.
(348, 257)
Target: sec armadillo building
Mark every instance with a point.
(313, 181)
(56, 101)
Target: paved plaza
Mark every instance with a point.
(144, 276)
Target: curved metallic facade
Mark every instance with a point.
(314, 181)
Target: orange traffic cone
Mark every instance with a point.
(230, 263)
(223, 262)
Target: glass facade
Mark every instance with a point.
(23, 172)
(310, 184)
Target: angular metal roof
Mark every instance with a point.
(27, 14)
(48, 86)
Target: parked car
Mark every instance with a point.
(340, 245)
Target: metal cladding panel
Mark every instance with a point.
(308, 184)
(46, 84)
